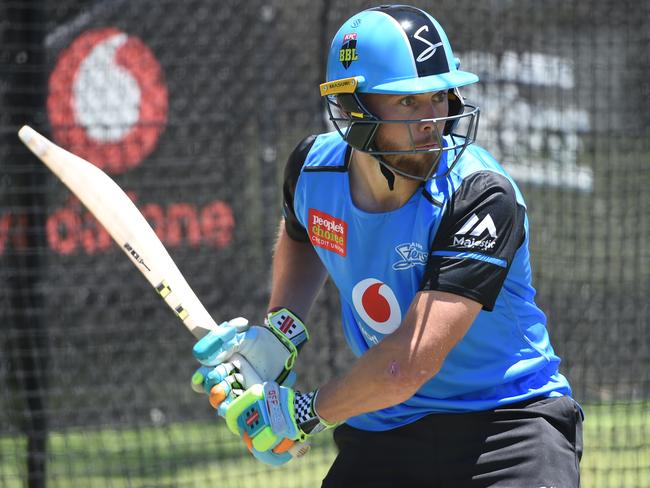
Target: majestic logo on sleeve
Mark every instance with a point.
(477, 234)
(377, 305)
(327, 232)
(412, 254)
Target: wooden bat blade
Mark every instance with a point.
(133, 234)
(126, 225)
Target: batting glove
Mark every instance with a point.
(271, 419)
(271, 349)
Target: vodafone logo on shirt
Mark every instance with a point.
(377, 305)
(107, 99)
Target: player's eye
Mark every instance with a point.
(407, 101)
(439, 97)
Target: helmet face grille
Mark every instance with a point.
(426, 45)
(359, 131)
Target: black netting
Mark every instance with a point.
(193, 107)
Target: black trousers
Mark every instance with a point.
(533, 444)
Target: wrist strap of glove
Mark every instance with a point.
(306, 416)
(291, 331)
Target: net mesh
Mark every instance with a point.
(193, 107)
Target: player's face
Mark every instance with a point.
(404, 137)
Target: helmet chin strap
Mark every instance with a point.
(388, 174)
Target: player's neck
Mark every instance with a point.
(369, 187)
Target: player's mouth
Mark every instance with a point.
(431, 145)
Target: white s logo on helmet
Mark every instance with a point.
(430, 50)
(377, 305)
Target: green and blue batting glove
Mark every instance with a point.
(269, 351)
(271, 419)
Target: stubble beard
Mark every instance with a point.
(418, 164)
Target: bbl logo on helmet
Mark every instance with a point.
(348, 52)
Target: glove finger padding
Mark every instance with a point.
(210, 346)
(222, 384)
(228, 389)
(205, 377)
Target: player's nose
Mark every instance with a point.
(428, 121)
(429, 117)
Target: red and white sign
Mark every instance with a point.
(327, 232)
(377, 305)
(107, 99)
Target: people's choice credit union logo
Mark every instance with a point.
(327, 232)
(377, 305)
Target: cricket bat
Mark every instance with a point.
(133, 234)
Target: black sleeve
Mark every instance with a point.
(480, 232)
(294, 228)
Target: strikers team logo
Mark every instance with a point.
(431, 48)
(377, 305)
(411, 254)
(327, 232)
(107, 99)
(348, 52)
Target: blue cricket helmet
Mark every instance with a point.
(394, 49)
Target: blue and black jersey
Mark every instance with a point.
(465, 234)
